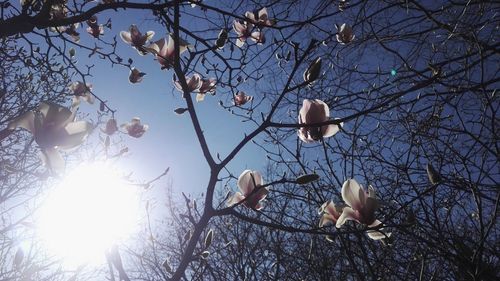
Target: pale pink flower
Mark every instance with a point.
(260, 19)
(330, 213)
(53, 127)
(193, 83)
(135, 76)
(72, 31)
(361, 205)
(80, 92)
(207, 86)
(134, 128)
(312, 112)
(252, 193)
(345, 34)
(241, 98)
(136, 39)
(94, 28)
(244, 30)
(164, 51)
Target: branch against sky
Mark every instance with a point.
(350, 103)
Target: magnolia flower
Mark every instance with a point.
(361, 204)
(312, 72)
(94, 28)
(207, 86)
(111, 127)
(252, 193)
(345, 35)
(330, 212)
(164, 51)
(80, 92)
(260, 18)
(71, 31)
(53, 127)
(58, 11)
(315, 111)
(244, 30)
(379, 233)
(193, 83)
(135, 128)
(135, 76)
(135, 38)
(241, 98)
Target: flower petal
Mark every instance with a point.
(126, 37)
(25, 121)
(245, 182)
(74, 134)
(353, 194)
(347, 214)
(329, 130)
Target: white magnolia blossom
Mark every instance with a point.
(241, 98)
(312, 112)
(248, 182)
(330, 213)
(136, 39)
(207, 87)
(361, 207)
(193, 83)
(345, 34)
(81, 92)
(134, 128)
(94, 28)
(53, 127)
(260, 19)
(163, 49)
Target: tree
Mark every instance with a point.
(399, 97)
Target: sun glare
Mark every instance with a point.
(89, 211)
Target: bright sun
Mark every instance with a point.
(89, 211)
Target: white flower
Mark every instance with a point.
(315, 111)
(248, 182)
(361, 205)
(135, 38)
(80, 92)
(164, 51)
(53, 127)
(330, 213)
(134, 128)
(241, 98)
(193, 83)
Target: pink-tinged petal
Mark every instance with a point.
(263, 15)
(352, 194)
(245, 183)
(347, 214)
(240, 42)
(25, 121)
(377, 234)
(330, 130)
(168, 51)
(257, 178)
(54, 115)
(52, 159)
(235, 199)
(111, 127)
(178, 86)
(258, 37)
(149, 35)
(250, 16)
(194, 82)
(156, 47)
(135, 76)
(74, 134)
(253, 200)
(239, 27)
(200, 97)
(126, 37)
(325, 108)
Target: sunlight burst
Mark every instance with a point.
(90, 210)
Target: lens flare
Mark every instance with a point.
(89, 211)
